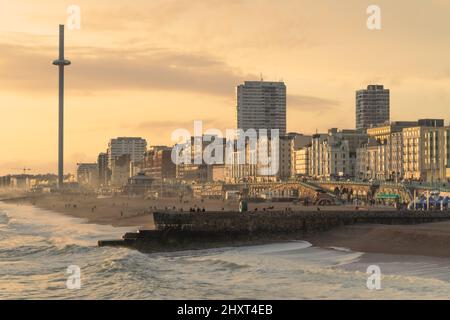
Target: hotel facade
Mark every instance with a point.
(417, 151)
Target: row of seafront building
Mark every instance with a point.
(377, 149)
(402, 150)
(408, 150)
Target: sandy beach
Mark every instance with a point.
(431, 239)
(117, 211)
(123, 211)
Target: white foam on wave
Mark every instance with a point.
(60, 229)
(40, 244)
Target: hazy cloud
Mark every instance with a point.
(208, 123)
(310, 103)
(30, 68)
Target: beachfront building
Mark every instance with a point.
(416, 150)
(158, 163)
(251, 164)
(21, 182)
(218, 173)
(298, 142)
(372, 107)
(104, 173)
(88, 174)
(242, 166)
(301, 161)
(138, 185)
(261, 105)
(197, 168)
(381, 158)
(285, 157)
(135, 147)
(120, 170)
(315, 155)
(376, 160)
(426, 153)
(333, 155)
(5, 181)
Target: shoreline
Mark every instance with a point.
(428, 239)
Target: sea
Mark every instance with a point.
(48, 255)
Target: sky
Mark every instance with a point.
(145, 68)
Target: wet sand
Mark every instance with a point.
(428, 239)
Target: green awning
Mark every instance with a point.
(383, 195)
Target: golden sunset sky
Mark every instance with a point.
(145, 68)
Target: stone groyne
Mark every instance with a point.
(195, 230)
(285, 221)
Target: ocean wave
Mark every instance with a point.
(220, 264)
(44, 250)
(4, 219)
(36, 247)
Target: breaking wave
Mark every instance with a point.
(37, 246)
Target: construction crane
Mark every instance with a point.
(24, 169)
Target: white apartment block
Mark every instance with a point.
(406, 150)
(426, 154)
(248, 165)
(333, 155)
(298, 142)
(381, 160)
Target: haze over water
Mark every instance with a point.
(37, 246)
